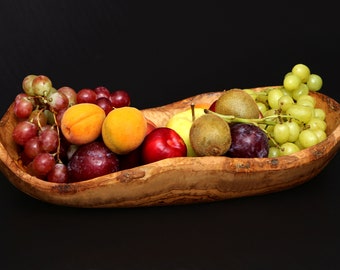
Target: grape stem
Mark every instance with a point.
(59, 143)
(268, 120)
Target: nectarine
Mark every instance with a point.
(82, 123)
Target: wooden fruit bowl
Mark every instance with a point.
(177, 181)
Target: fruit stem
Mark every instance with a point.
(268, 120)
(192, 106)
(59, 143)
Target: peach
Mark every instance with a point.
(82, 123)
(124, 129)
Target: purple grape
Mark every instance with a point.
(248, 141)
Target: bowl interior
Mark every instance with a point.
(201, 179)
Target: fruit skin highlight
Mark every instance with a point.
(82, 123)
(124, 129)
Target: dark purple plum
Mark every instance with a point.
(248, 141)
(91, 160)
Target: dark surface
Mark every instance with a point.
(163, 52)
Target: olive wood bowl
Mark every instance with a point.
(177, 181)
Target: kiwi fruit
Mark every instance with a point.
(238, 103)
(210, 136)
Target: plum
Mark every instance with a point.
(91, 160)
(248, 141)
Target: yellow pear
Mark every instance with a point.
(181, 123)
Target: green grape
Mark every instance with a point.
(321, 134)
(291, 82)
(301, 113)
(302, 71)
(41, 85)
(285, 92)
(285, 102)
(305, 102)
(273, 98)
(288, 73)
(270, 112)
(273, 152)
(251, 92)
(262, 97)
(270, 128)
(52, 90)
(27, 84)
(50, 117)
(319, 113)
(281, 133)
(302, 90)
(316, 123)
(298, 143)
(294, 130)
(308, 138)
(262, 107)
(314, 82)
(307, 97)
(288, 148)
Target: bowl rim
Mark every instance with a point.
(33, 186)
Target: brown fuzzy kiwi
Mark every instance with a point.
(210, 136)
(238, 103)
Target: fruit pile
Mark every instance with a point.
(65, 135)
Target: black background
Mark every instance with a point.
(162, 52)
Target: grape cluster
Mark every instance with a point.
(39, 110)
(290, 118)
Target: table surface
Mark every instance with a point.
(162, 53)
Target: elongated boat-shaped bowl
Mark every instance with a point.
(177, 181)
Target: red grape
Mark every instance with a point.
(43, 163)
(120, 98)
(38, 118)
(33, 147)
(23, 131)
(58, 174)
(59, 115)
(57, 101)
(105, 104)
(70, 93)
(49, 139)
(102, 91)
(86, 95)
(23, 106)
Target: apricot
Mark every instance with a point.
(203, 105)
(82, 123)
(124, 129)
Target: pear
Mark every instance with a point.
(210, 136)
(181, 123)
(238, 103)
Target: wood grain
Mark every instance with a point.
(178, 181)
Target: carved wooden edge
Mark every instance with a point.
(198, 180)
